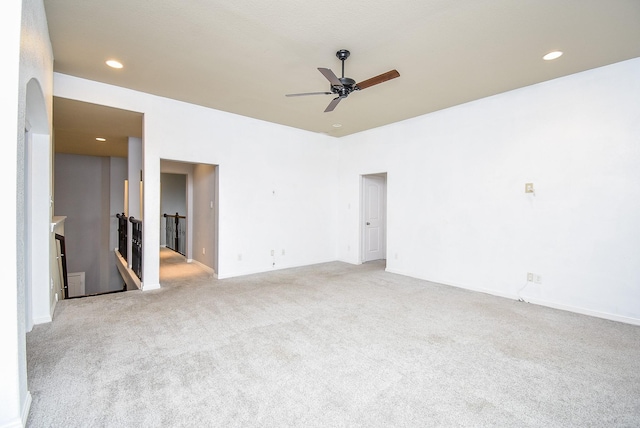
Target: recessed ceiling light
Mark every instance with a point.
(552, 55)
(114, 64)
(337, 125)
(101, 139)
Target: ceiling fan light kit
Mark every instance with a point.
(343, 86)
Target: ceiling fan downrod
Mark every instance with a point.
(342, 55)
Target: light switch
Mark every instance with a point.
(528, 188)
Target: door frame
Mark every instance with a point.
(362, 220)
(171, 166)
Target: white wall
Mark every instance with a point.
(39, 166)
(174, 193)
(28, 57)
(134, 187)
(457, 211)
(276, 183)
(204, 215)
(11, 336)
(117, 175)
(134, 166)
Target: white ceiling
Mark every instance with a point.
(244, 56)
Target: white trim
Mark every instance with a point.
(204, 267)
(57, 221)
(53, 306)
(535, 301)
(451, 284)
(26, 406)
(81, 275)
(20, 422)
(255, 271)
(582, 311)
(127, 274)
(14, 423)
(149, 287)
(42, 320)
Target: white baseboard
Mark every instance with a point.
(272, 269)
(204, 267)
(13, 423)
(148, 287)
(451, 284)
(535, 301)
(53, 306)
(20, 422)
(46, 319)
(26, 406)
(42, 320)
(582, 311)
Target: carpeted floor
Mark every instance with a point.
(330, 345)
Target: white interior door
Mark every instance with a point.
(374, 222)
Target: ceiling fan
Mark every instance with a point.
(343, 86)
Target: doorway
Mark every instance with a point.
(191, 189)
(373, 200)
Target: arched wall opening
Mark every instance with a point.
(33, 216)
(34, 183)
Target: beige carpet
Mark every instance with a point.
(330, 345)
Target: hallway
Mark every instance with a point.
(175, 270)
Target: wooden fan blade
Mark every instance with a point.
(330, 75)
(378, 79)
(334, 102)
(308, 93)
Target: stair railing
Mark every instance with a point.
(136, 246)
(175, 233)
(122, 235)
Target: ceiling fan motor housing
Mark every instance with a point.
(348, 86)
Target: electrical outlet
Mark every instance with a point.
(273, 253)
(204, 251)
(534, 277)
(239, 257)
(283, 251)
